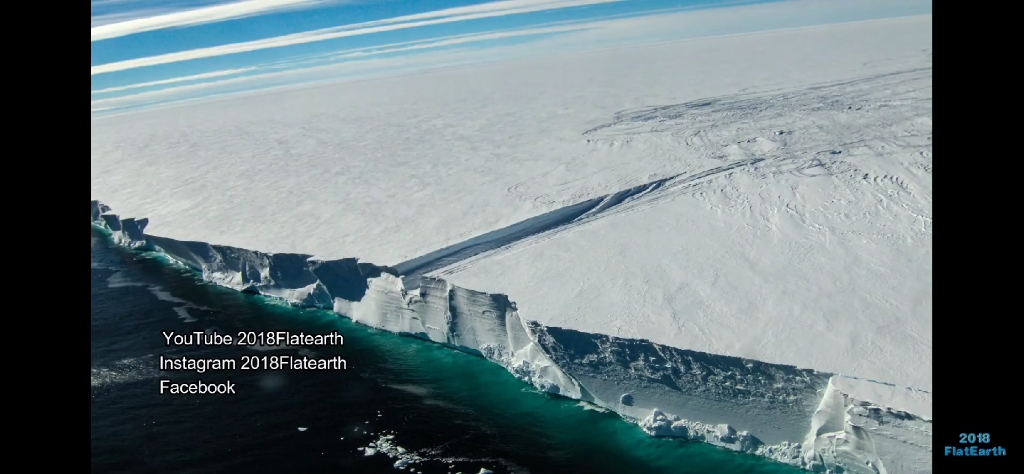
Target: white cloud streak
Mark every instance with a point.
(450, 15)
(352, 66)
(464, 39)
(196, 16)
(195, 77)
(568, 25)
(109, 18)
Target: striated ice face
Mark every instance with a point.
(738, 404)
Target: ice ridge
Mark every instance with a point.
(813, 420)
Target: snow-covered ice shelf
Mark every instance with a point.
(725, 239)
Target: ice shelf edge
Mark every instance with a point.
(813, 420)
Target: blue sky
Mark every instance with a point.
(151, 52)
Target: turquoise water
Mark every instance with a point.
(457, 411)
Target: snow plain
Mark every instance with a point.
(763, 198)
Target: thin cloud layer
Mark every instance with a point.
(173, 80)
(450, 15)
(196, 16)
(365, 64)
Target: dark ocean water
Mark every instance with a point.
(453, 411)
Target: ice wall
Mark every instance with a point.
(818, 421)
(467, 320)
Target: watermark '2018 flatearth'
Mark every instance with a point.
(253, 339)
(254, 362)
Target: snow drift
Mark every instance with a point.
(818, 421)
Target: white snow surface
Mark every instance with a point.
(726, 239)
(804, 238)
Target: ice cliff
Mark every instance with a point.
(817, 421)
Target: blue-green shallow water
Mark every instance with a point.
(452, 408)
